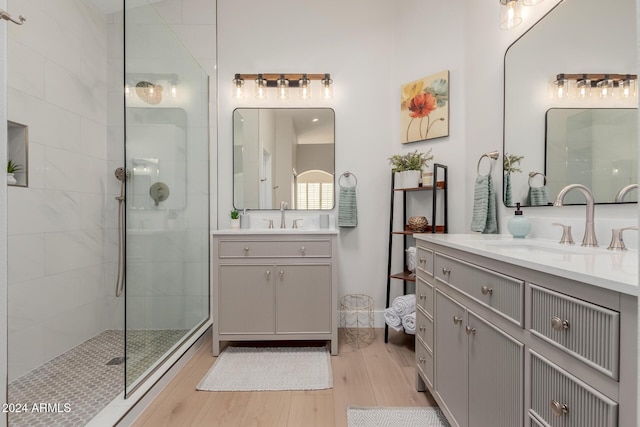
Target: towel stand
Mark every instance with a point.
(493, 155)
(533, 174)
(347, 175)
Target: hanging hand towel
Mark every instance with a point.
(538, 196)
(484, 217)
(508, 201)
(347, 208)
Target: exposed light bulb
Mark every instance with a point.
(510, 15)
(238, 87)
(304, 85)
(261, 88)
(584, 87)
(283, 88)
(327, 87)
(562, 87)
(127, 90)
(174, 90)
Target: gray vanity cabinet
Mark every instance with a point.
(514, 346)
(274, 287)
(478, 368)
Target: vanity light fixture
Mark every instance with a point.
(304, 85)
(510, 14)
(261, 87)
(606, 85)
(283, 88)
(327, 87)
(282, 82)
(238, 87)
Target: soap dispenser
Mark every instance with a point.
(518, 225)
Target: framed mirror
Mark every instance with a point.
(564, 41)
(283, 155)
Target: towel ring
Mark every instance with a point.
(533, 174)
(347, 174)
(488, 156)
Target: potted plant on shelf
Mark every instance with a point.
(408, 168)
(235, 219)
(12, 168)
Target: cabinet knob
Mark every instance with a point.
(246, 250)
(281, 274)
(422, 260)
(422, 328)
(559, 409)
(422, 360)
(469, 330)
(268, 274)
(423, 296)
(302, 249)
(457, 320)
(486, 290)
(559, 324)
(446, 270)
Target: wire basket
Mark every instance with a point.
(356, 319)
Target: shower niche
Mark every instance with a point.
(17, 153)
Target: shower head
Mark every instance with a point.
(122, 174)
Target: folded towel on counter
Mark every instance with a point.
(508, 198)
(347, 207)
(392, 319)
(484, 217)
(409, 323)
(404, 304)
(538, 196)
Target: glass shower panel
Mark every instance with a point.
(167, 202)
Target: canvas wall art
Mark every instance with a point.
(424, 108)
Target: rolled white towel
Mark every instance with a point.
(392, 319)
(409, 323)
(404, 304)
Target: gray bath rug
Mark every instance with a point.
(269, 368)
(358, 416)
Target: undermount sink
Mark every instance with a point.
(522, 245)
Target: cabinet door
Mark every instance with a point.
(496, 372)
(451, 343)
(303, 298)
(246, 299)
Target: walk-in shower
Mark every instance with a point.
(108, 276)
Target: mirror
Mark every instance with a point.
(283, 155)
(564, 41)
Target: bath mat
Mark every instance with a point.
(358, 416)
(269, 368)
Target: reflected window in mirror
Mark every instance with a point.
(283, 155)
(564, 41)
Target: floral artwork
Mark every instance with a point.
(424, 109)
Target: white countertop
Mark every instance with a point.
(613, 270)
(275, 231)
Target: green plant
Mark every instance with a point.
(13, 167)
(410, 161)
(234, 214)
(511, 163)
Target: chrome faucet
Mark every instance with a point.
(283, 206)
(589, 238)
(623, 192)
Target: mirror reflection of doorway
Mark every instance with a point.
(266, 183)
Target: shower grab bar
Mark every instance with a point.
(7, 17)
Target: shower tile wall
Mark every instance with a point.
(58, 87)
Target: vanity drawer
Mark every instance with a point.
(424, 361)
(501, 293)
(424, 328)
(424, 260)
(588, 331)
(274, 248)
(424, 295)
(559, 399)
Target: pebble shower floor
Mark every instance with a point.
(79, 383)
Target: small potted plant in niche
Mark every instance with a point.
(235, 219)
(408, 168)
(12, 168)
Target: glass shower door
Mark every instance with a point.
(167, 202)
